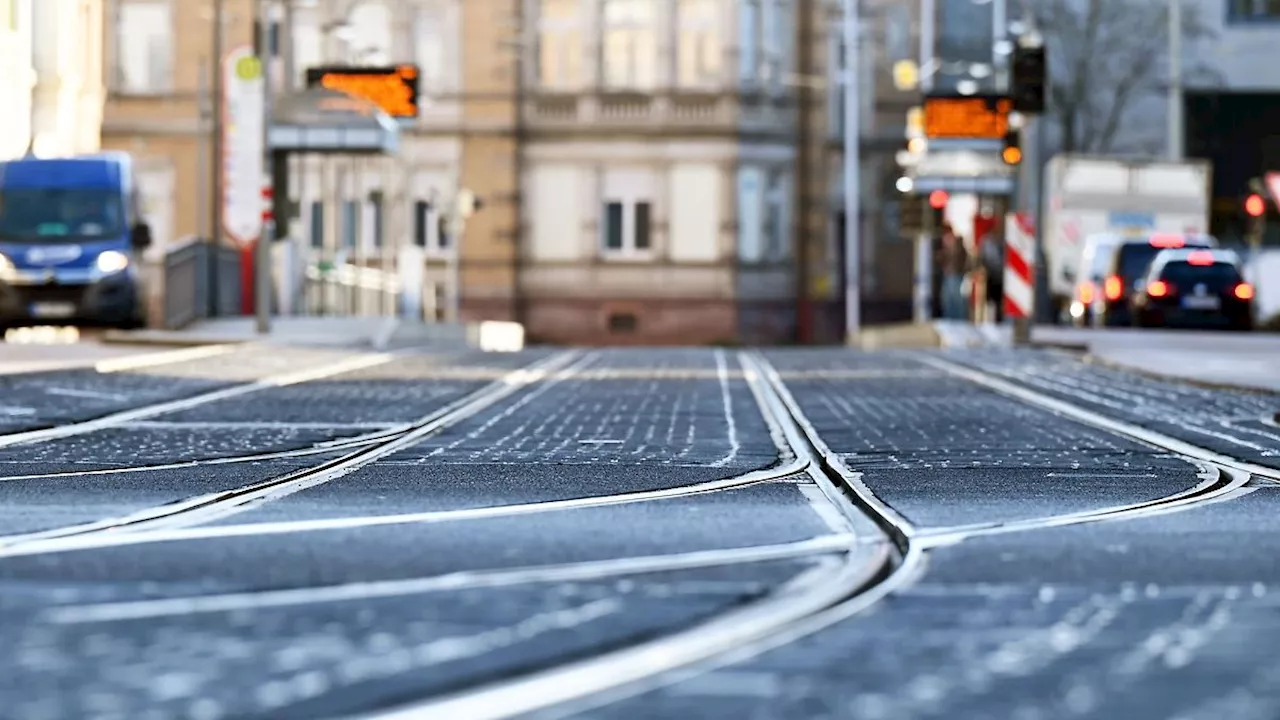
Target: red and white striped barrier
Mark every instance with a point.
(1019, 264)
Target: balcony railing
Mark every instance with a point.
(669, 111)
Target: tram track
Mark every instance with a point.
(739, 635)
(883, 552)
(217, 505)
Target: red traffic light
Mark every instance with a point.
(1255, 205)
(938, 199)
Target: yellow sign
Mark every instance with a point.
(248, 68)
(967, 117)
(393, 90)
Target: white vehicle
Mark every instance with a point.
(1090, 196)
(1094, 259)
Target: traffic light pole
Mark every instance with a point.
(262, 261)
(852, 178)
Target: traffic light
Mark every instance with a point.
(1012, 152)
(1029, 73)
(1254, 205)
(938, 199)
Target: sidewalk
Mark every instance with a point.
(378, 333)
(1243, 361)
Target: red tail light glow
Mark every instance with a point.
(1158, 289)
(1200, 258)
(1114, 288)
(1244, 291)
(1168, 241)
(1087, 291)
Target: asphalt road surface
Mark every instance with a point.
(636, 533)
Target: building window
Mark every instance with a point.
(350, 224)
(641, 237)
(774, 41)
(630, 55)
(376, 203)
(316, 224)
(371, 34)
(430, 228)
(775, 217)
(1253, 10)
(698, 46)
(308, 46)
(749, 41)
(560, 44)
(614, 233)
(835, 87)
(428, 43)
(628, 227)
(144, 47)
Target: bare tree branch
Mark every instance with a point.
(1105, 54)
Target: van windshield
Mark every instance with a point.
(60, 214)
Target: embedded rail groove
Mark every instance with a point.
(1099, 420)
(772, 622)
(205, 508)
(855, 585)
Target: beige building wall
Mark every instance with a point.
(69, 90)
(159, 73)
(17, 77)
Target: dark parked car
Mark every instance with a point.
(1130, 261)
(1194, 289)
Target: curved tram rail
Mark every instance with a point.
(882, 554)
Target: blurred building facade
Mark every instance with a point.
(651, 170)
(17, 77)
(51, 76)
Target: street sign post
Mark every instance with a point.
(242, 144)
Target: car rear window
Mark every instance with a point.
(1216, 277)
(1134, 259)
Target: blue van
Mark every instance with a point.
(71, 242)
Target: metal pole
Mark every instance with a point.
(1176, 130)
(262, 263)
(219, 108)
(203, 161)
(852, 180)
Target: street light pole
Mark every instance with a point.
(852, 178)
(262, 302)
(1176, 130)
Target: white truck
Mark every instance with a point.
(1084, 195)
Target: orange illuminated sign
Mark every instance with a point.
(394, 90)
(983, 118)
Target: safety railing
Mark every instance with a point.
(187, 279)
(343, 290)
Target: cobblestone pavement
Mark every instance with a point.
(406, 527)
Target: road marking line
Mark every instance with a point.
(213, 506)
(137, 362)
(288, 527)
(1212, 486)
(462, 580)
(735, 445)
(1089, 417)
(170, 406)
(87, 394)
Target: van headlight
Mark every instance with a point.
(111, 261)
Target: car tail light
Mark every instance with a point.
(1159, 289)
(1114, 288)
(1086, 293)
(1244, 291)
(1168, 241)
(1200, 258)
